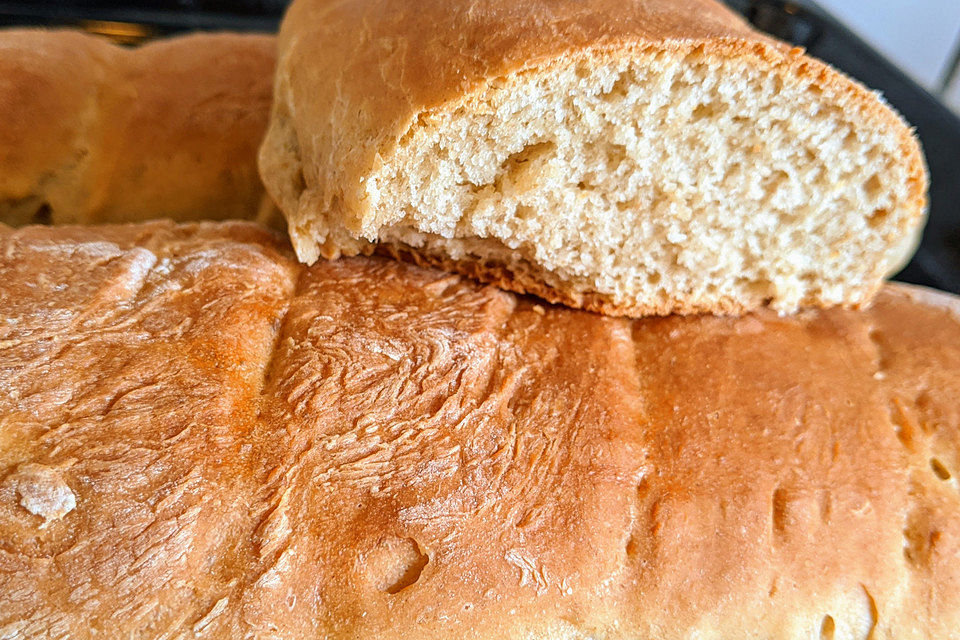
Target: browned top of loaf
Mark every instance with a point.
(102, 133)
(369, 449)
(354, 77)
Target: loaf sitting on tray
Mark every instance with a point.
(92, 132)
(201, 438)
(626, 156)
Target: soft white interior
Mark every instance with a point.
(659, 178)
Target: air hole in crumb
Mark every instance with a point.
(654, 278)
(524, 212)
(939, 469)
(395, 564)
(632, 546)
(616, 154)
(619, 89)
(777, 84)
(523, 168)
(850, 140)
(775, 180)
(703, 112)
(827, 628)
(761, 288)
(878, 217)
(528, 153)
(873, 186)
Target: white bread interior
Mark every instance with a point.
(658, 179)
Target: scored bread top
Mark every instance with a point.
(201, 437)
(94, 132)
(416, 125)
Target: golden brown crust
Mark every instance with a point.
(184, 130)
(131, 360)
(100, 133)
(200, 437)
(354, 78)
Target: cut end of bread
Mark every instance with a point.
(698, 179)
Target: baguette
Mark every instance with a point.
(633, 157)
(97, 133)
(199, 437)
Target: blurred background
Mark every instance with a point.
(921, 36)
(909, 50)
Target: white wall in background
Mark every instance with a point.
(919, 35)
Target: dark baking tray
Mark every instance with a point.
(937, 262)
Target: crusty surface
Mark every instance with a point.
(363, 86)
(125, 352)
(98, 133)
(201, 438)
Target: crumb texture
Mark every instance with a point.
(663, 183)
(363, 447)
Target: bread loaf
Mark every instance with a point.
(627, 156)
(93, 132)
(201, 438)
